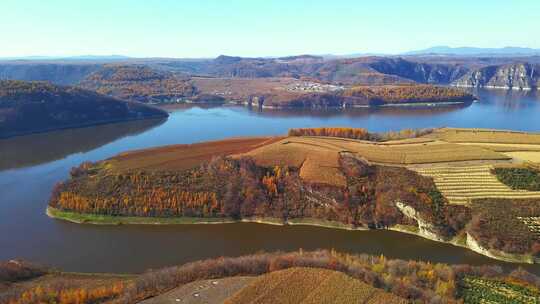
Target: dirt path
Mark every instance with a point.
(207, 292)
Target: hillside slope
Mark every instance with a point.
(56, 72)
(30, 107)
(138, 83)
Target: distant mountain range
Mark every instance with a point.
(474, 51)
(509, 51)
(74, 58)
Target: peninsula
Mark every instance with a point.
(470, 187)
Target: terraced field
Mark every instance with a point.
(310, 286)
(317, 157)
(461, 184)
(476, 290)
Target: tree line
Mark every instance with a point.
(239, 188)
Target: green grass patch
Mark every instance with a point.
(407, 228)
(318, 222)
(85, 218)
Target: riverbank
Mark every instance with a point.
(95, 219)
(458, 241)
(175, 105)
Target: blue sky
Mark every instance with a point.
(207, 28)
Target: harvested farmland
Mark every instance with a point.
(293, 150)
(531, 156)
(478, 290)
(181, 157)
(486, 136)
(311, 286)
(462, 184)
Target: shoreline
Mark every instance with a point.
(83, 125)
(92, 219)
(426, 104)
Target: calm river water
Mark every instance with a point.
(31, 165)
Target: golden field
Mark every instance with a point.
(485, 136)
(318, 157)
(310, 286)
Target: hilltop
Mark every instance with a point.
(31, 107)
(139, 83)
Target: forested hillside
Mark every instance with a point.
(139, 83)
(29, 107)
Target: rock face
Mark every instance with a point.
(521, 76)
(420, 72)
(425, 229)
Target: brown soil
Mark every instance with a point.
(182, 157)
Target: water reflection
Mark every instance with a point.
(29, 150)
(361, 112)
(509, 100)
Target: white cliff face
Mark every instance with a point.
(521, 76)
(496, 254)
(425, 229)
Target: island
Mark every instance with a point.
(34, 107)
(474, 188)
(317, 277)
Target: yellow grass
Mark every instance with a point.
(461, 184)
(318, 157)
(505, 147)
(533, 157)
(485, 136)
(310, 286)
(323, 168)
(294, 150)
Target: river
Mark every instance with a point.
(31, 165)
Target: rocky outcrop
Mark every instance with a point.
(519, 76)
(425, 229)
(473, 244)
(420, 72)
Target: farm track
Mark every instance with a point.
(462, 184)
